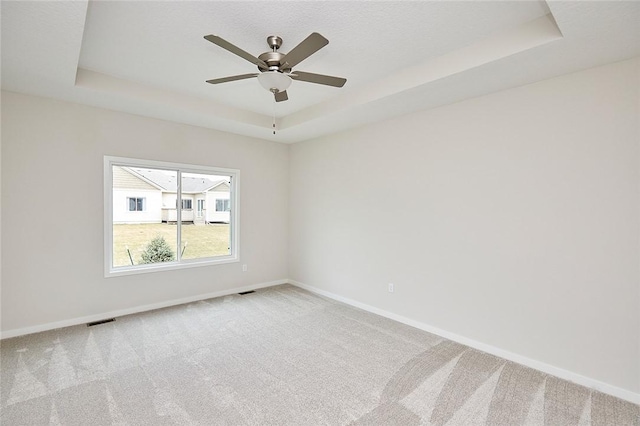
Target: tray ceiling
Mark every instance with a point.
(150, 58)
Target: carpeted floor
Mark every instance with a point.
(279, 356)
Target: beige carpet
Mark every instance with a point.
(280, 356)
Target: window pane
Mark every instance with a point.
(144, 216)
(205, 233)
(221, 205)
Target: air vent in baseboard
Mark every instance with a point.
(104, 321)
(246, 292)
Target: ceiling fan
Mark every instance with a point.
(275, 67)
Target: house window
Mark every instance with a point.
(162, 233)
(136, 204)
(222, 205)
(186, 204)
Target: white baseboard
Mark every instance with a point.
(520, 359)
(136, 309)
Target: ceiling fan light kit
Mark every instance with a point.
(274, 80)
(276, 68)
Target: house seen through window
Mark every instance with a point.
(148, 228)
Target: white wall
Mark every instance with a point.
(511, 219)
(52, 267)
(169, 200)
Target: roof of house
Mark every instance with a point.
(168, 181)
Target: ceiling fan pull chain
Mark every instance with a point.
(274, 116)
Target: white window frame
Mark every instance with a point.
(228, 204)
(234, 256)
(144, 204)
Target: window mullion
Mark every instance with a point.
(232, 221)
(179, 218)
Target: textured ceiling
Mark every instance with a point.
(150, 58)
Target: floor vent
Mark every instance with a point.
(246, 292)
(104, 321)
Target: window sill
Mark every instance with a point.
(169, 266)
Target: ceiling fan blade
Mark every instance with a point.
(327, 80)
(302, 51)
(232, 78)
(281, 96)
(235, 50)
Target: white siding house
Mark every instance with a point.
(150, 196)
(218, 203)
(134, 200)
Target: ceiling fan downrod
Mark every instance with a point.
(274, 42)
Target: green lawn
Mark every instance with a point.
(202, 241)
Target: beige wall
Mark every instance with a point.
(511, 219)
(52, 268)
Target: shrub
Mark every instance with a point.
(158, 250)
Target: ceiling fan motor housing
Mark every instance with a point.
(272, 59)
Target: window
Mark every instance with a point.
(222, 205)
(146, 229)
(186, 204)
(136, 204)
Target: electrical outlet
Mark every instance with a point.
(391, 288)
(244, 268)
